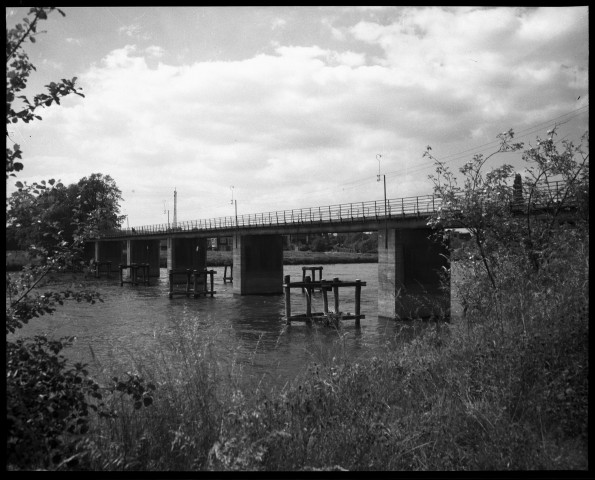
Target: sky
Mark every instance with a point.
(277, 108)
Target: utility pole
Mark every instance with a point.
(378, 156)
(175, 208)
(235, 202)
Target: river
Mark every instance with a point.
(249, 331)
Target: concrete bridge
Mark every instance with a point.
(409, 259)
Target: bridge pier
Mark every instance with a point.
(109, 251)
(408, 274)
(257, 264)
(186, 253)
(144, 251)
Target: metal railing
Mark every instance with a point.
(340, 213)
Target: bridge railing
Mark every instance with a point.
(339, 213)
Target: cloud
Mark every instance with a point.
(302, 125)
(278, 23)
(135, 31)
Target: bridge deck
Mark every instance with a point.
(406, 212)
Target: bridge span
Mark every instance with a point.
(410, 260)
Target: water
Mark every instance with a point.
(250, 330)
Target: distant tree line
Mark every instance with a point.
(360, 242)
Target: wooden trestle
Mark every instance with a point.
(324, 286)
(196, 281)
(135, 269)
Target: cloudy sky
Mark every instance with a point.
(292, 105)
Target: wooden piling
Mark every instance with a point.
(287, 294)
(358, 294)
(324, 300)
(308, 297)
(336, 294)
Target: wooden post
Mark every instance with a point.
(358, 294)
(303, 277)
(188, 274)
(195, 273)
(121, 267)
(212, 282)
(336, 294)
(324, 299)
(287, 300)
(171, 283)
(308, 299)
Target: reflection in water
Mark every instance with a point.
(250, 330)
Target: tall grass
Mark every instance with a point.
(506, 388)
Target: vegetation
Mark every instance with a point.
(360, 242)
(43, 215)
(48, 401)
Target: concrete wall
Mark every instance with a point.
(408, 275)
(110, 251)
(144, 251)
(257, 264)
(183, 253)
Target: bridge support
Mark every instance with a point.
(186, 253)
(257, 264)
(408, 275)
(109, 251)
(144, 251)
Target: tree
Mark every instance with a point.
(48, 401)
(488, 206)
(60, 212)
(18, 69)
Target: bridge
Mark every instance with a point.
(409, 260)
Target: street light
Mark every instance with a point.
(378, 157)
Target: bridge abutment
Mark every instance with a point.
(144, 251)
(186, 253)
(409, 285)
(257, 264)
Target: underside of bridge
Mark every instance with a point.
(144, 251)
(110, 251)
(258, 264)
(409, 280)
(186, 253)
(410, 263)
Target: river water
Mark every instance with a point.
(248, 330)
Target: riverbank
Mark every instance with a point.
(15, 260)
(292, 257)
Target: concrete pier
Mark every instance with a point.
(144, 251)
(110, 251)
(408, 274)
(186, 253)
(258, 264)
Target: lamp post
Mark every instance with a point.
(378, 157)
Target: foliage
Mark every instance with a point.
(49, 402)
(501, 217)
(46, 215)
(18, 69)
